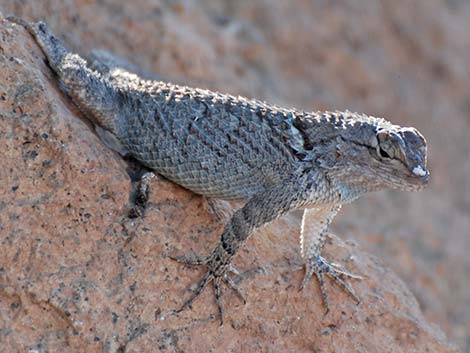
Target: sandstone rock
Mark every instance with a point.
(77, 274)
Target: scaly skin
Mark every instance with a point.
(233, 148)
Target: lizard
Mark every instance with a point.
(274, 159)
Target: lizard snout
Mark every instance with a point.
(421, 174)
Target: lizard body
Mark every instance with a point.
(218, 145)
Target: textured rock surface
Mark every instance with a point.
(76, 274)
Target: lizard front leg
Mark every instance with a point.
(260, 209)
(315, 222)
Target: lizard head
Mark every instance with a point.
(374, 154)
(401, 154)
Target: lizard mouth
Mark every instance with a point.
(418, 178)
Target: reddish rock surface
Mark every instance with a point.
(76, 274)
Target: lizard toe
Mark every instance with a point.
(217, 272)
(320, 267)
(202, 284)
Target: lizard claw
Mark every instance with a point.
(217, 273)
(320, 267)
(230, 282)
(208, 277)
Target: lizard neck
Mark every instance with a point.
(351, 189)
(349, 193)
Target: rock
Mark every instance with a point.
(77, 274)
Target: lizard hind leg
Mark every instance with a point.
(142, 191)
(315, 223)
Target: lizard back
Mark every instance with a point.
(215, 145)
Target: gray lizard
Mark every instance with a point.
(217, 145)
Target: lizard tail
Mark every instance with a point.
(52, 47)
(85, 86)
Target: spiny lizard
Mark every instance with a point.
(217, 145)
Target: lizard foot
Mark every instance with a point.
(141, 195)
(217, 272)
(320, 267)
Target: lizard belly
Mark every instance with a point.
(209, 170)
(225, 179)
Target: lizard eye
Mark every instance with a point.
(382, 153)
(387, 146)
